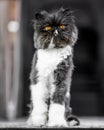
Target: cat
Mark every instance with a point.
(54, 37)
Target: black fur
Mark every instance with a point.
(55, 19)
(60, 81)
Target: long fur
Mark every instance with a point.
(52, 68)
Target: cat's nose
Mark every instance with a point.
(55, 32)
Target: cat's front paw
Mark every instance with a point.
(37, 120)
(57, 123)
(56, 116)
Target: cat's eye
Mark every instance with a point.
(62, 26)
(47, 28)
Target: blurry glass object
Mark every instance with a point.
(9, 58)
(13, 26)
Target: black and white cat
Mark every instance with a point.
(54, 37)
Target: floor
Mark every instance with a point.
(90, 123)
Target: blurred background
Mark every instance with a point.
(16, 52)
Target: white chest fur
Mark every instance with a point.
(48, 59)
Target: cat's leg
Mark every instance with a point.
(39, 95)
(57, 108)
(57, 103)
(60, 112)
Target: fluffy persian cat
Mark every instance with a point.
(54, 37)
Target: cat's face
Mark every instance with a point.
(54, 30)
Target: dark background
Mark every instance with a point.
(88, 77)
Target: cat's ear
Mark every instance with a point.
(40, 15)
(67, 12)
(62, 10)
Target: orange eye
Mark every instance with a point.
(62, 26)
(47, 28)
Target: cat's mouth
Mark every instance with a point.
(58, 43)
(54, 42)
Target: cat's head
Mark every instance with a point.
(54, 30)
